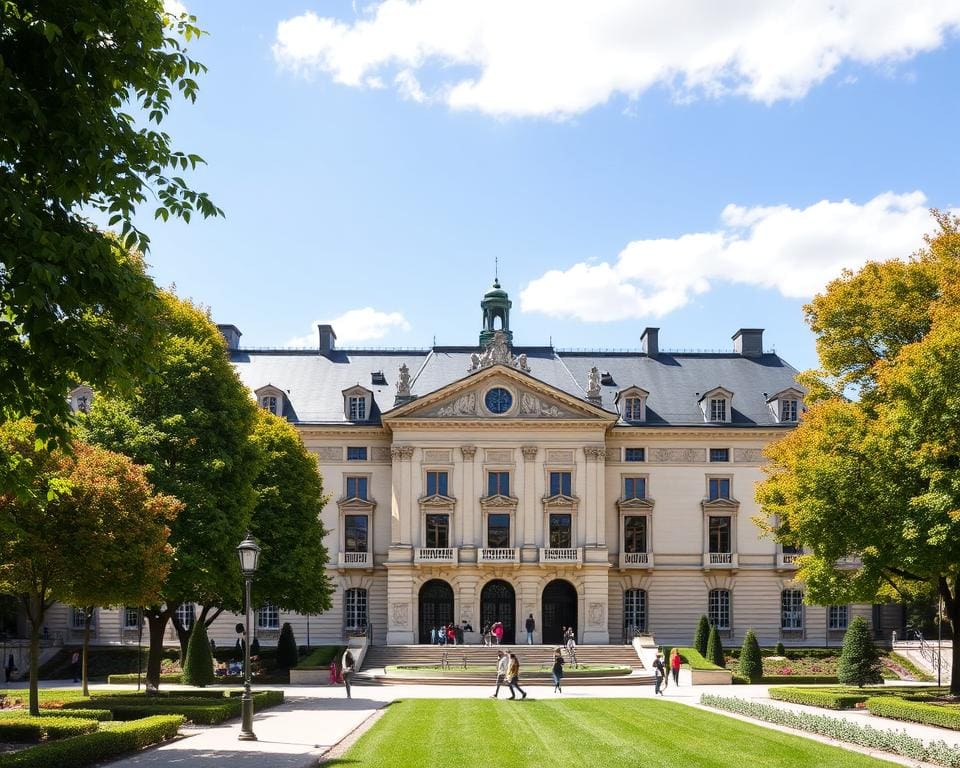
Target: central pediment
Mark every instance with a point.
(499, 393)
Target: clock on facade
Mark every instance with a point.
(498, 400)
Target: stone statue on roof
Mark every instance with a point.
(498, 353)
(593, 383)
(403, 381)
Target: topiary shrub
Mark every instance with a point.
(287, 653)
(715, 649)
(751, 664)
(781, 651)
(859, 662)
(198, 667)
(702, 636)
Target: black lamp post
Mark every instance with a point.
(249, 554)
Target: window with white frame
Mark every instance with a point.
(718, 409)
(356, 533)
(561, 530)
(788, 410)
(268, 616)
(838, 617)
(270, 403)
(718, 608)
(355, 608)
(498, 483)
(791, 609)
(78, 618)
(633, 409)
(357, 408)
(634, 534)
(634, 611)
(186, 614)
(561, 483)
(357, 487)
(437, 534)
(437, 483)
(634, 488)
(131, 618)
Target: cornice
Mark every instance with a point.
(437, 502)
(559, 501)
(342, 430)
(499, 502)
(720, 504)
(712, 432)
(490, 424)
(367, 505)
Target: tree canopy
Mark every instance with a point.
(876, 476)
(83, 88)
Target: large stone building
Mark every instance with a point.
(608, 491)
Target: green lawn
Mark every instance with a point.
(580, 732)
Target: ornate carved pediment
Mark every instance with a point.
(526, 405)
(641, 505)
(499, 501)
(720, 505)
(354, 504)
(560, 501)
(438, 502)
(498, 353)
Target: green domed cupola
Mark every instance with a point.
(496, 314)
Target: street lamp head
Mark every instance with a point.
(249, 554)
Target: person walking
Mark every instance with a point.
(530, 626)
(503, 665)
(557, 670)
(572, 647)
(658, 674)
(675, 665)
(9, 668)
(75, 666)
(513, 677)
(347, 670)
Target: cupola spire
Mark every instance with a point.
(496, 312)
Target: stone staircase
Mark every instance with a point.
(535, 661)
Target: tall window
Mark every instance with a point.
(719, 488)
(355, 533)
(838, 617)
(438, 531)
(131, 618)
(356, 487)
(560, 483)
(358, 408)
(791, 549)
(788, 410)
(791, 609)
(268, 616)
(437, 484)
(719, 534)
(633, 409)
(719, 454)
(718, 409)
(718, 608)
(634, 454)
(269, 403)
(498, 531)
(355, 608)
(561, 530)
(357, 453)
(78, 618)
(634, 611)
(634, 488)
(186, 614)
(498, 483)
(635, 533)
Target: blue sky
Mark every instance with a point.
(677, 185)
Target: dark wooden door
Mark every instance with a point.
(559, 610)
(498, 602)
(436, 607)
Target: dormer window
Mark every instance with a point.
(718, 409)
(358, 408)
(717, 405)
(270, 398)
(788, 410)
(633, 404)
(357, 403)
(786, 406)
(269, 403)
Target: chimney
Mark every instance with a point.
(649, 341)
(748, 342)
(328, 339)
(231, 334)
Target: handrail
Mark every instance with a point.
(934, 655)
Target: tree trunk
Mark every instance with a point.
(36, 621)
(157, 622)
(951, 606)
(88, 619)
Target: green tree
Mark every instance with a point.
(876, 476)
(750, 664)
(859, 660)
(702, 636)
(287, 652)
(715, 648)
(286, 520)
(92, 532)
(191, 425)
(85, 85)
(198, 662)
(780, 650)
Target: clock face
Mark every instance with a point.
(498, 400)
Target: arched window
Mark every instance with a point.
(718, 608)
(634, 612)
(355, 608)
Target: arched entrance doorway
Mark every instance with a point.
(436, 607)
(559, 610)
(498, 602)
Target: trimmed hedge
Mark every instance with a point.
(321, 656)
(111, 740)
(25, 728)
(895, 742)
(691, 657)
(814, 697)
(202, 710)
(168, 677)
(915, 712)
(86, 714)
(800, 679)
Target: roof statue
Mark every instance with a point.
(403, 381)
(498, 353)
(593, 384)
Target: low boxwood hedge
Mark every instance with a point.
(915, 711)
(203, 710)
(800, 679)
(111, 740)
(86, 714)
(25, 729)
(818, 697)
(692, 658)
(167, 677)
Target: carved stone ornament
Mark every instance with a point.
(748, 455)
(468, 451)
(529, 452)
(380, 453)
(498, 353)
(677, 455)
(596, 614)
(595, 452)
(403, 381)
(330, 454)
(402, 452)
(465, 405)
(531, 405)
(400, 614)
(593, 384)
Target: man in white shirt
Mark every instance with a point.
(503, 661)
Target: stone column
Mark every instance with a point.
(530, 507)
(595, 549)
(401, 546)
(395, 493)
(470, 509)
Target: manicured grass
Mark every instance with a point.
(613, 733)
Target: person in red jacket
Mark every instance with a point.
(451, 635)
(675, 665)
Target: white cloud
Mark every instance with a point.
(562, 57)
(795, 251)
(356, 325)
(175, 7)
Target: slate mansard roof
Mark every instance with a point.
(313, 382)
